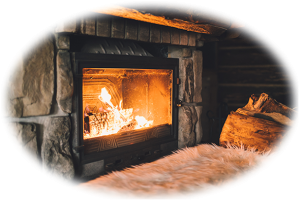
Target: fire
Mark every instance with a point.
(142, 122)
(105, 97)
(113, 119)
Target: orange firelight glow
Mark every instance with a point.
(114, 119)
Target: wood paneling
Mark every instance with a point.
(184, 37)
(234, 95)
(209, 98)
(245, 57)
(165, 35)
(144, 32)
(154, 33)
(88, 26)
(246, 68)
(103, 26)
(252, 75)
(118, 28)
(131, 30)
(192, 39)
(175, 37)
(252, 37)
(162, 20)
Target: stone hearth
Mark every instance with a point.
(41, 89)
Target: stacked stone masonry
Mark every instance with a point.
(43, 73)
(190, 74)
(56, 155)
(32, 86)
(41, 89)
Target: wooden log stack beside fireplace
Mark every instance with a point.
(259, 125)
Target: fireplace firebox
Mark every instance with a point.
(125, 109)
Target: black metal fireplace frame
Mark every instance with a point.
(90, 60)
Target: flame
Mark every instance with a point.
(105, 97)
(142, 122)
(120, 105)
(115, 119)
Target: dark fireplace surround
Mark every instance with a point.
(126, 148)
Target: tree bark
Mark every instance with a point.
(259, 125)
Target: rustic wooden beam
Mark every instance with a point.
(161, 20)
(185, 11)
(110, 26)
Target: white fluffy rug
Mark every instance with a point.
(185, 170)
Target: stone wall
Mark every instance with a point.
(40, 101)
(190, 87)
(41, 89)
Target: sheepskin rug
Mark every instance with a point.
(185, 170)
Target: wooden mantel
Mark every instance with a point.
(176, 27)
(180, 15)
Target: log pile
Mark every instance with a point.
(259, 125)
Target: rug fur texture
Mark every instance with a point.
(186, 170)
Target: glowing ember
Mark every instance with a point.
(113, 119)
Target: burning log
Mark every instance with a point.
(111, 120)
(132, 124)
(259, 125)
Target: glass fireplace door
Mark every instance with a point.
(118, 100)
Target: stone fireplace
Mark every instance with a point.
(77, 103)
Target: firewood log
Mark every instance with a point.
(265, 107)
(130, 126)
(259, 125)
